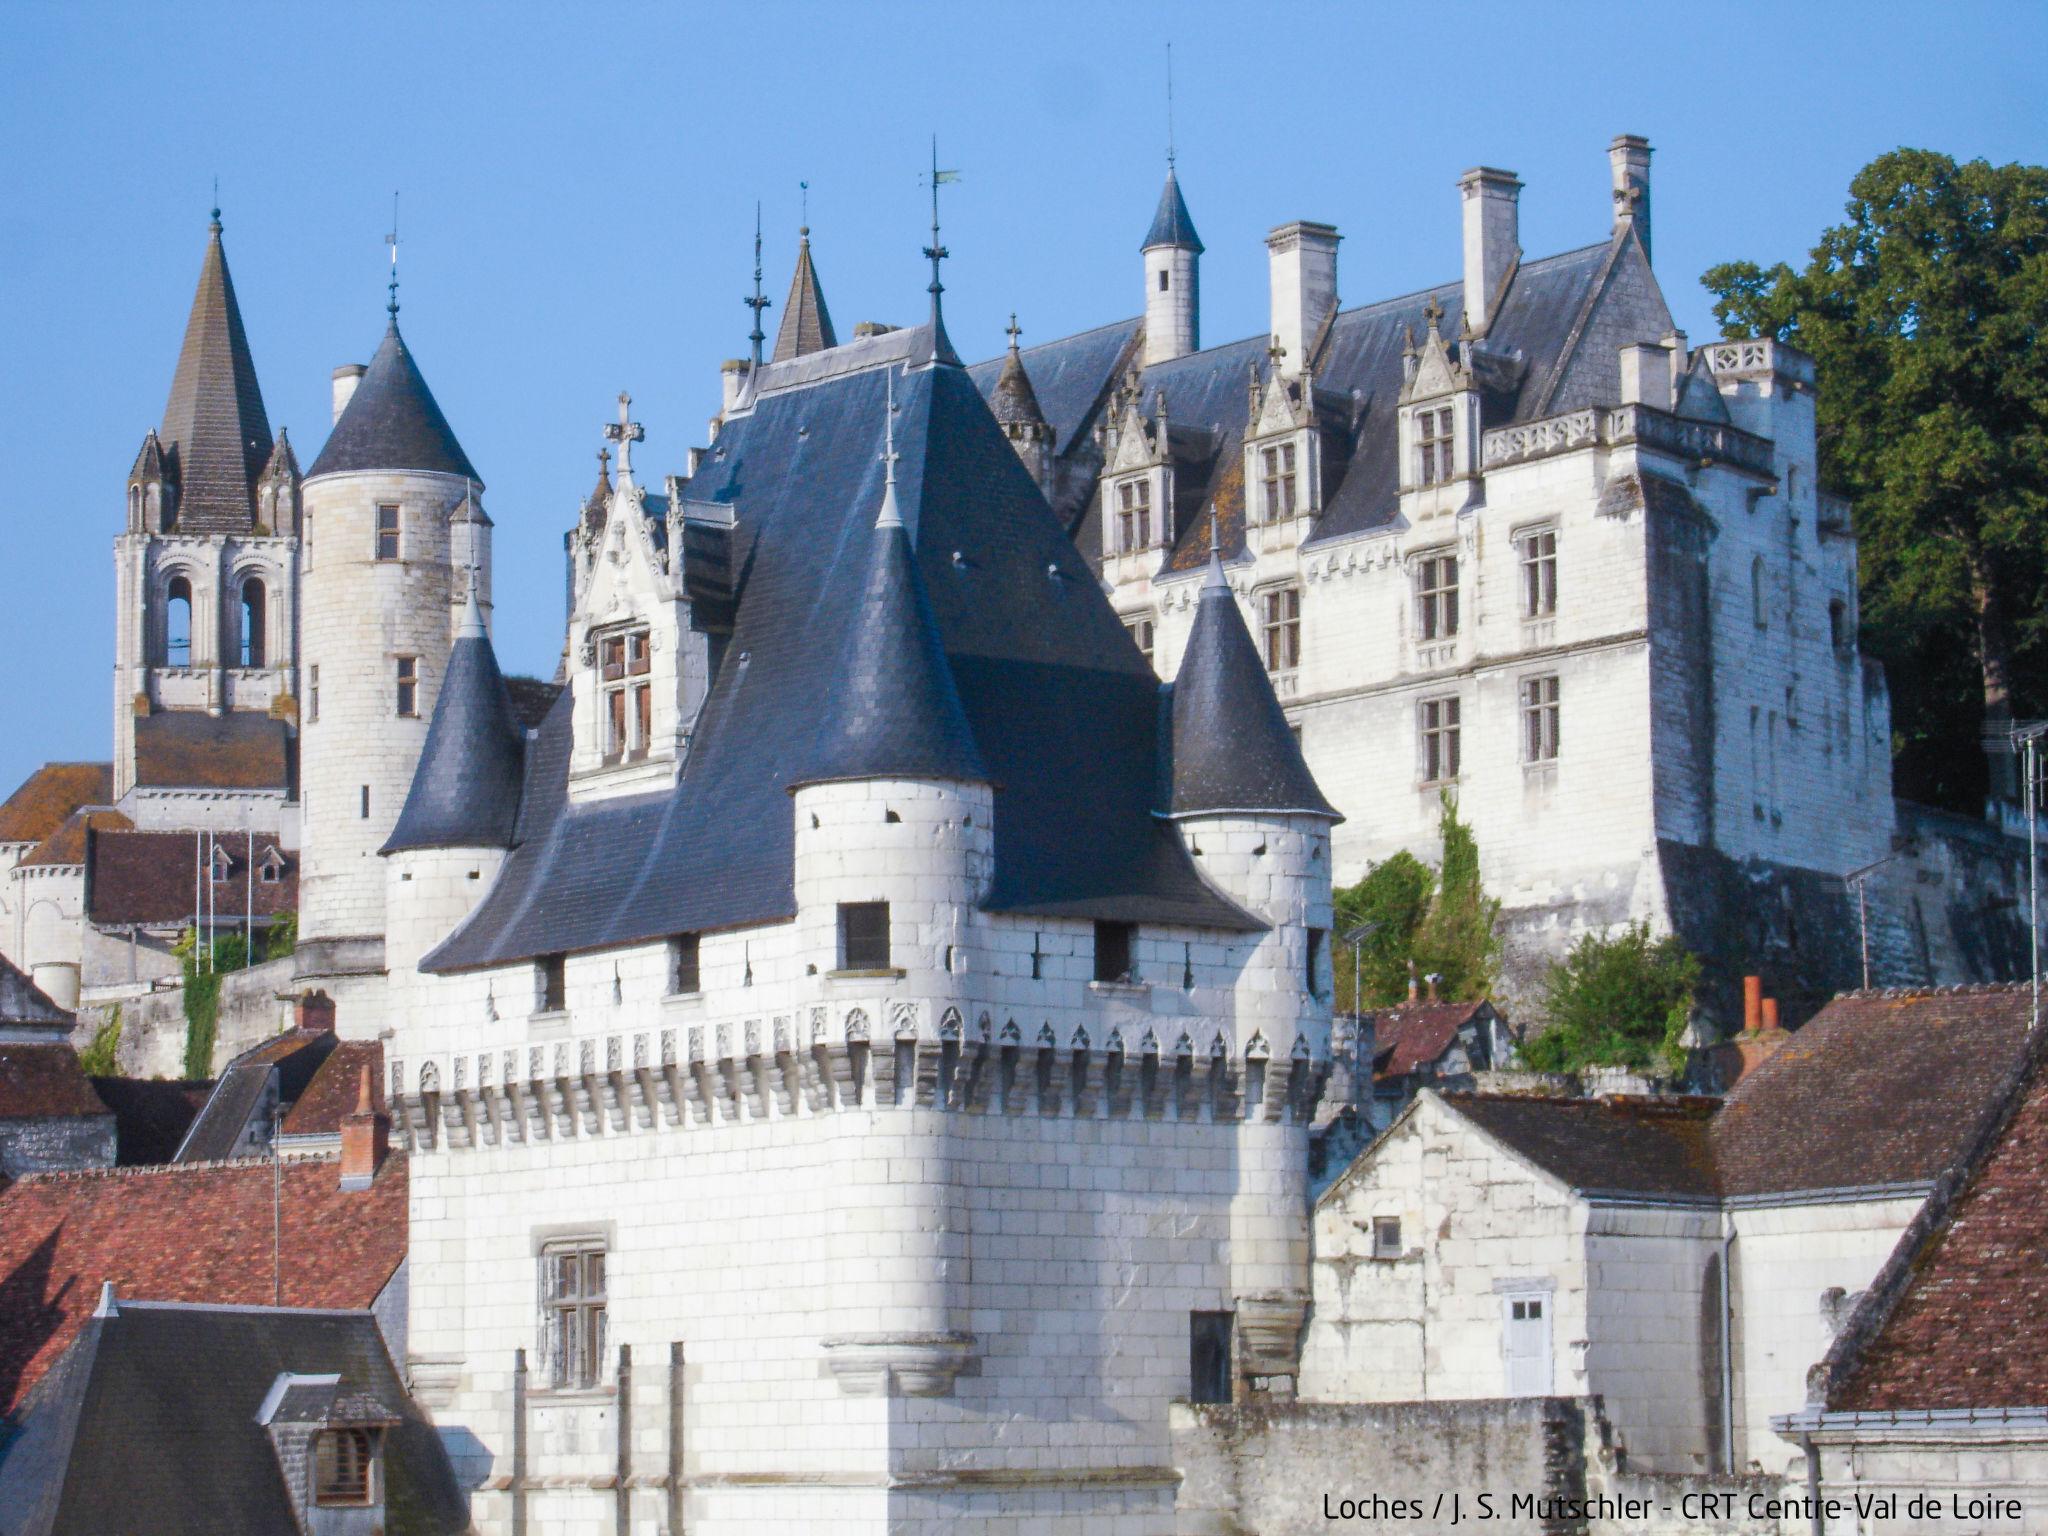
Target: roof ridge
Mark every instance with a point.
(61, 1175)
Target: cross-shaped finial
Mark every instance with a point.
(1432, 312)
(625, 432)
(1275, 352)
(1013, 330)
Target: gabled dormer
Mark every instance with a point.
(1137, 489)
(636, 670)
(1283, 457)
(1438, 423)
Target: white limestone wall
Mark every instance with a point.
(1172, 311)
(360, 615)
(1787, 1261)
(51, 901)
(1652, 1331)
(1989, 1479)
(427, 894)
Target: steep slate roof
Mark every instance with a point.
(806, 322)
(465, 789)
(392, 422)
(294, 1055)
(146, 877)
(1611, 1145)
(67, 844)
(1882, 1087)
(152, 1424)
(39, 1081)
(214, 421)
(1412, 1035)
(1232, 749)
(23, 1002)
(150, 1117)
(1061, 708)
(185, 749)
(50, 794)
(1013, 400)
(1171, 224)
(197, 1232)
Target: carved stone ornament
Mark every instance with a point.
(900, 1364)
(1269, 1324)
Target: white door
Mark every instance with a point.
(1527, 1323)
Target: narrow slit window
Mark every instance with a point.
(1209, 1357)
(408, 685)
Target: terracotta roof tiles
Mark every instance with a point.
(66, 845)
(50, 794)
(44, 1080)
(1412, 1035)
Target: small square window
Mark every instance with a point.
(387, 533)
(683, 974)
(551, 983)
(342, 1467)
(864, 935)
(408, 686)
(1386, 1237)
(1113, 944)
(1209, 1357)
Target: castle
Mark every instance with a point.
(858, 1028)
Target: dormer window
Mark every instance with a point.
(271, 870)
(342, 1466)
(221, 865)
(1434, 438)
(1278, 466)
(1134, 515)
(628, 695)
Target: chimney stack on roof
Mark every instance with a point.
(1414, 984)
(1752, 1004)
(365, 1138)
(1770, 1016)
(1628, 160)
(1302, 261)
(1431, 980)
(1492, 240)
(346, 378)
(314, 1010)
(1646, 375)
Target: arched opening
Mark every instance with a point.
(252, 623)
(135, 506)
(178, 623)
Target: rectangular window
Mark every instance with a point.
(628, 706)
(1439, 725)
(551, 984)
(573, 1289)
(1281, 621)
(683, 975)
(313, 694)
(1209, 1357)
(1133, 515)
(1539, 573)
(341, 1467)
(1433, 439)
(1436, 597)
(366, 802)
(643, 718)
(1113, 951)
(615, 725)
(387, 533)
(864, 936)
(1141, 635)
(1539, 719)
(1386, 1237)
(408, 685)
(1312, 982)
(1278, 466)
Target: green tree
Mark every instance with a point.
(101, 1058)
(1441, 921)
(1925, 312)
(1459, 941)
(1392, 899)
(1617, 1002)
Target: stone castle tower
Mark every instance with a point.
(394, 535)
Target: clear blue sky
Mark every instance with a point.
(579, 185)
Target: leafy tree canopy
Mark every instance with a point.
(1617, 1002)
(1924, 311)
(1439, 920)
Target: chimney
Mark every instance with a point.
(1432, 979)
(1628, 159)
(1752, 1004)
(346, 378)
(1646, 375)
(732, 380)
(314, 1010)
(1770, 1016)
(1414, 987)
(1492, 239)
(1302, 261)
(365, 1137)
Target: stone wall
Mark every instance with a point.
(254, 1004)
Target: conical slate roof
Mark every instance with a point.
(1171, 224)
(1232, 749)
(214, 418)
(1015, 402)
(392, 422)
(806, 322)
(465, 792)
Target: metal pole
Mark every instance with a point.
(249, 902)
(2033, 887)
(1863, 922)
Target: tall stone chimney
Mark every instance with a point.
(346, 378)
(1302, 260)
(1492, 239)
(365, 1138)
(1628, 159)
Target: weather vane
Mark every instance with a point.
(392, 241)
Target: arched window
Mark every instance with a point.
(252, 622)
(135, 506)
(178, 623)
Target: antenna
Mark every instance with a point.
(1169, 106)
(757, 303)
(392, 241)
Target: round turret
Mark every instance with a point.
(1173, 257)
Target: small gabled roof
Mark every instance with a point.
(1232, 749)
(294, 1056)
(806, 322)
(1171, 222)
(214, 419)
(67, 844)
(1014, 401)
(45, 1082)
(392, 422)
(465, 791)
(1409, 1036)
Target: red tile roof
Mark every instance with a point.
(182, 748)
(146, 877)
(66, 845)
(195, 1232)
(44, 1080)
(333, 1092)
(1969, 1328)
(50, 794)
(1881, 1087)
(1412, 1035)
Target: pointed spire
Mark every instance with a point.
(465, 791)
(1015, 402)
(600, 498)
(1171, 223)
(393, 422)
(1232, 748)
(806, 322)
(214, 423)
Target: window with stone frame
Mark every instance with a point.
(864, 936)
(1280, 627)
(573, 1312)
(1436, 597)
(387, 533)
(1141, 630)
(1134, 514)
(1114, 946)
(1437, 724)
(1539, 719)
(551, 984)
(313, 692)
(1279, 481)
(684, 974)
(343, 1463)
(408, 685)
(1386, 1237)
(1434, 439)
(1538, 550)
(623, 661)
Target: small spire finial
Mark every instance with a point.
(1169, 107)
(757, 303)
(803, 227)
(1013, 330)
(1274, 351)
(935, 252)
(392, 241)
(890, 516)
(625, 432)
(1432, 312)
(216, 205)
